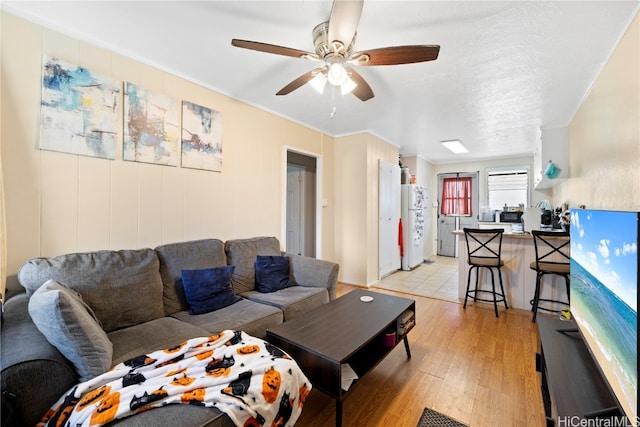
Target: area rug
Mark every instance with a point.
(431, 418)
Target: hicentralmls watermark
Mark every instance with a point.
(576, 421)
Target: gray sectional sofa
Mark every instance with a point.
(138, 298)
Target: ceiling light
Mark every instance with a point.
(347, 86)
(455, 146)
(319, 82)
(337, 75)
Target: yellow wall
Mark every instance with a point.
(59, 203)
(356, 190)
(604, 135)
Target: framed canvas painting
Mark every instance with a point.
(201, 137)
(151, 126)
(78, 110)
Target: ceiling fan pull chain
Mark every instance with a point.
(333, 101)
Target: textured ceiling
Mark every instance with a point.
(505, 68)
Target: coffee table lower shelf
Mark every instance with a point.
(345, 331)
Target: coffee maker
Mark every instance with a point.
(546, 219)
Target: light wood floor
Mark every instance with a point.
(465, 363)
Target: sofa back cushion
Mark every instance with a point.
(242, 253)
(192, 255)
(123, 288)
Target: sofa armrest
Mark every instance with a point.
(306, 271)
(34, 373)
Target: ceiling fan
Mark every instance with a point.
(333, 41)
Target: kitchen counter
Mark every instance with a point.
(506, 226)
(519, 280)
(494, 223)
(506, 234)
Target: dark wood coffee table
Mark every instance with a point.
(345, 331)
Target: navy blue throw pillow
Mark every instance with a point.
(208, 289)
(272, 273)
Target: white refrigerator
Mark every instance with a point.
(413, 204)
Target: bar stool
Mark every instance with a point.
(552, 257)
(484, 249)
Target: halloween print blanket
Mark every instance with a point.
(250, 380)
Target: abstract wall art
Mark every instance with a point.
(201, 137)
(151, 126)
(78, 110)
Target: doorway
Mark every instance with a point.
(448, 223)
(301, 204)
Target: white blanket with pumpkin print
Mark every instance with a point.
(253, 382)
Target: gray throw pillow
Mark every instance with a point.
(71, 326)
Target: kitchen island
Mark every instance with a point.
(519, 280)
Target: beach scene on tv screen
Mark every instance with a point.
(604, 292)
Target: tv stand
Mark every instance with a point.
(568, 331)
(614, 411)
(572, 385)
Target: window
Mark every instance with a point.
(456, 196)
(510, 187)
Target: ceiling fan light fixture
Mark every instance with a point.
(347, 86)
(334, 42)
(319, 82)
(455, 146)
(337, 75)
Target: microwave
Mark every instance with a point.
(510, 216)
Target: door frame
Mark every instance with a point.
(318, 202)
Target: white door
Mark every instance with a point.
(389, 217)
(447, 224)
(295, 209)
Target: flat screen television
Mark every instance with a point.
(604, 295)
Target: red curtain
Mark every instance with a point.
(456, 196)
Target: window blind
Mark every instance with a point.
(508, 187)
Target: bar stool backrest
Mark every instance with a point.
(483, 245)
(552, 247)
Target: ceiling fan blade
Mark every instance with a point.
(396, 55)
(300, 81)
(363, 91)
(343, 23)
(272, 48)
